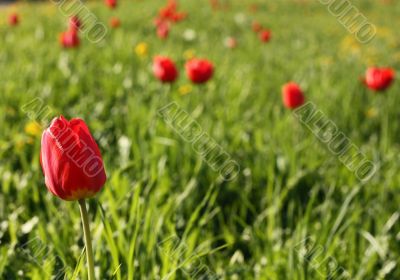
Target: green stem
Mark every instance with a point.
(88, 239)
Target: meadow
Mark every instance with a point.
(164, 212)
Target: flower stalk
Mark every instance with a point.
(88, 239)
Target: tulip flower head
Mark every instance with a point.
(74, 23)
(199, 70)
(164, 69)
(292, 95)
(230, 42)
(115, 22)
(170, 12)
(253, 7)
(265, 35)
(13, 19)
(256, 26)
(71, 160)
(379, 79)
(111, 3)
(69, 39)
(163, 30)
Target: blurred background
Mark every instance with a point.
(294, 210)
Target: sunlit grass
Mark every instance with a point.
(290, 186)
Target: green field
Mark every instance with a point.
(165, 213)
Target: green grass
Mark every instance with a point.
(290, 186)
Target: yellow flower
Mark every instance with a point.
(141, 49)
(20, 144)
(33, 128)
(349, 45)
(185, 89)
(189, 54)
(371, 113)
(385, 32)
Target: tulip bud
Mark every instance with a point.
(379, 79)
(71, 160)
(199, 70)
(292, 95)
(164, 69)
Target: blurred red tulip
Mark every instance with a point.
(230, 42)
(111, 3)
(292, 95)
(199, 70)
(256, 26)
(157, 21)
(176, 17)
(169, 9)
(253, 7)
(215, 4)
(115, 22)
(74, 23)
(265, 35)
(379, 79)
(13, 19)
(170, 13)
(163, 30)
(69, 39)
(71, 160)
(164, 69)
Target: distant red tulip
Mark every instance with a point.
(71, 160)
(163, 30)
(169, 9)
(74, 23)
(157, 21)
(13, 19)
(256, 26)
(115, 22)
(379, 79)
(230, 42)
(292, 95)
(170, 13)
(69, 39)
(111, 3)
(265, 36)
(176, 17)
(164, 69)
(215, 4)
(199, 70)
(253, 8)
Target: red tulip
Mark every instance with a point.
(74, 23)
(265, 36)
(111, 3)
(115, 22)
(256, 26)
(215, 4)
(163, 30)
(13, 19)
(69, 39)
(199, 70)
(71, 160)
(170, 13)
(230, 42)
(164, 69)
(253, 7)
(157, 21)
(176, 17)
(169, 9)
(292, 95)
(379, 79)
